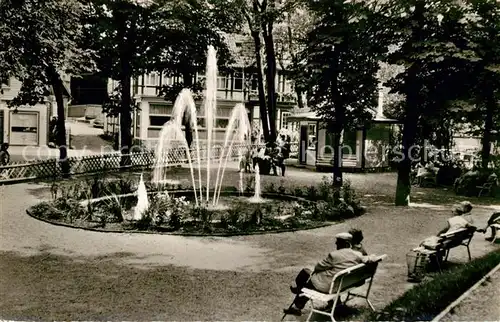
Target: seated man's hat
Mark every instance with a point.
(344, 236)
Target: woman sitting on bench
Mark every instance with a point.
(458, 221)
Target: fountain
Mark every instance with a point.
(142, 200)
(257, 196)
(240, 183)
(172, 137)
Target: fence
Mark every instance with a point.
(51, 169)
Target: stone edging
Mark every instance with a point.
(465, 295)
(229, 234)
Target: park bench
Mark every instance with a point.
(448, 241)
(485, 189)
(344, 281)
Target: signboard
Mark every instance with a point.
(24, 128)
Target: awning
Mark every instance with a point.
(306, 116)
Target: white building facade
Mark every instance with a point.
(26, 125)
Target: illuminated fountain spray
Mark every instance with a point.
(240, 183)
(257, 196)
(142, 200)
(172, 136)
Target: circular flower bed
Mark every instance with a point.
(175, 212)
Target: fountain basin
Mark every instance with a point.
(234, 215)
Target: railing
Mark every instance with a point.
(51, 169)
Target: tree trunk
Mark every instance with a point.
(260, 84)
(337, 158)
(488, 127)
(61, 142)
(270, 77)
(403, 187)
(125, 115)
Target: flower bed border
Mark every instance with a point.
(192, 234)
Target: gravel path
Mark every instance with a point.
(56, 273)
(483, 304)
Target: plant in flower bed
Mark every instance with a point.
(100, 203)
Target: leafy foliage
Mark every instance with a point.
(39, 40)
(31, 56)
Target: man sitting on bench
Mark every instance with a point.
(324, 271)
(494, 220)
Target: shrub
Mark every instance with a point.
(428, 299)
(96, 185)
(312, 193)
(46, 210)
(249, 184)
(113, 210)
(234, 214)
(281, 188)
(270, 188)
(145, 223)
(325, 189)
(298, 192)
(175, 220)
(71, 208)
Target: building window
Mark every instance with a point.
(221, 123)
(158, 120)
(280, 84)
(222, 82)
(288, 86)
(312, 136)
(238, 82)
(152, 79)
(254, 83)
(284, 119)
(24, 128)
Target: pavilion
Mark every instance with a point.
(366, 148)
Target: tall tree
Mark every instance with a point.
(134, 38)
(39, 39)
(430, 46)
(262, 16)
(290, 38)
(482, 21)
(126, 35)
(342, 54)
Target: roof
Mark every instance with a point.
(242, 47)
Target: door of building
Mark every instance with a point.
(1, 125)
(303, 143)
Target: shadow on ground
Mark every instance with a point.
(51, 287)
